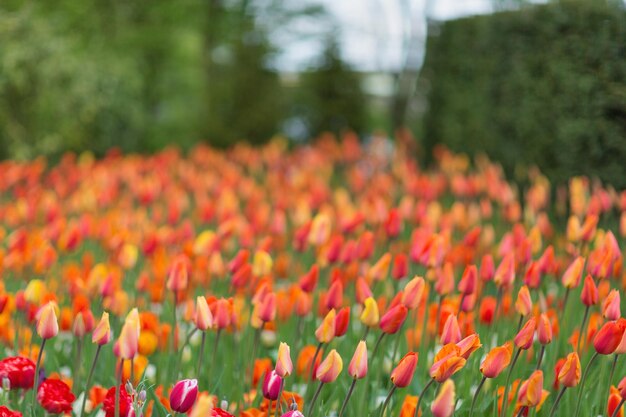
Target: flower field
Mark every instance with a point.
(335, 279)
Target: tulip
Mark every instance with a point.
(589, 296)
(293, 411)
(469, 345)
(572, 275)
(101, 336)
(362, 290)
(324, 334)
(524, 338)
(203, 318)
(495, 362)
(523, 303)
(128, 342)
(183, 395)
(272, 386)
(284, 366)
(505, 273)
(401, 376)
(341, 321)
(178, 276)
(615, 403)
(443, 405)
(47, 323)
(370, 316)
(544, 335)
(327, 372)
(393, 319)
(451, 332)
(569, 376)
(611, 306)
(531, 390)
(357, 369)
(605, 342)
(413, 292)
(447, 362)
(486, 268)
(334, 296)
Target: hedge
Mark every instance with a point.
(544, 85)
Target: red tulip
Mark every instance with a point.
(19, 370)
(393, 319)
(589, 295)
(402, 375)
(341, 321)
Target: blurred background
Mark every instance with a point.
(526, 82)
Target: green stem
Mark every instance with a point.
(482, 382)
(201, 355)
(419, 400)
(279, 401)
(317, 394)
(88, 384)
(36, 383)
(377, 345)
(214, 355)
(505, 397)
(611, 374)
(541, 353)
(582, 383)
(345, 402)
(582, 329)
(556, 402)
(391, 391)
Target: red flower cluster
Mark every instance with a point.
(5, 412)
(55, 396)
(218, 412)
(19, 370)
(109, 403)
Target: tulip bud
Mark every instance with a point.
(589, 295)
(505, 274)
(128, 342)
(272, 385)
(451, 332)
(357, 368)
(486, 268)
(573, 273)
(266, 309)
(608, 338)
(330, 367)
(222, 314)
(611, 306)
(523, 304)
(78, 328)
(178, 276)
(443, 405)
(102, 333)
(370, 316)
(413, 292)
(544, 330)
(569, 374)
(467, 284)
(284, 366)
(393, 319)
(47, 325)
(203, 318)
(326, 331)
(469, 345)
(531, 390)
(402, 375)
(362, 290)
(341, 321)
(400, 266)
(524, 338)
(497, 360)
(334, 297)
(183, 395)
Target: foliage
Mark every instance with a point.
(543, 85)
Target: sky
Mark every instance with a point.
(372, 32)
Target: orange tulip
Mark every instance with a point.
(447, 362)
(524, 338)
(569, 374)
(326, 330)
(393, 319)
(443, 405)
(402, 375)
(531, 390)
(497, 360)
(330, 368)
(523, 303)
(544, 330)
(573, 274)
(611, 306)
(589, 294)
(469, 345)
(102, 333)
(608, 338)
(413, 293)
(451, 332)
(357, 368)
